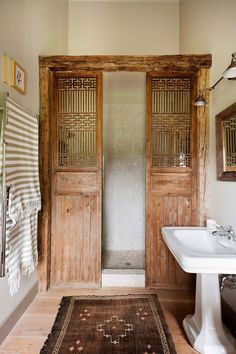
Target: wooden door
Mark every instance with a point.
(76, 180)
(170, 172)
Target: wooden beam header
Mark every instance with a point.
(126, 62)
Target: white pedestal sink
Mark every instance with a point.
(197, 251)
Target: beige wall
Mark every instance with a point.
(214, 32)
(29, 28)
(123, 28)
(208, 26)
(32, 27)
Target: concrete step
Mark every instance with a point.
(123, 278)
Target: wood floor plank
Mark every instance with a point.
(33, 325)
(184, 348)
(31, 331)
(22, 345)
(59, 292)
(44, 306)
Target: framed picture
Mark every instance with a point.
(226, 144)
(17, 77)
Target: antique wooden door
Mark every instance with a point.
(170, 172)
(76, 144)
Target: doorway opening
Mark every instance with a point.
(72, 187)
(123, 233)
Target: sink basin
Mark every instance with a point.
(198, 251)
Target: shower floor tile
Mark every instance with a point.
(123, 259)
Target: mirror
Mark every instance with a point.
(226, 144)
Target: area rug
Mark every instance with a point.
(127, 324)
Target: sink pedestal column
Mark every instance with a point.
(204, 329)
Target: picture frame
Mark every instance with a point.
(226, 144)
(4, 68)
(17, 77)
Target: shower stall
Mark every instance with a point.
(123, 232)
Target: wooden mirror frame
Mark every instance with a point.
(222, 174)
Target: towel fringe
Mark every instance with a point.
(26, 269)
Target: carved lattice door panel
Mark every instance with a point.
(76, 180)
(170, 173)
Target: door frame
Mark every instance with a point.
(198, 65)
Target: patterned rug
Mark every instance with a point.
(128, 324)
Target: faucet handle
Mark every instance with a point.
(228, 228)
(230, 231)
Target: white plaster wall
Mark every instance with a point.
(29, 28)
(124, 157)
(124, 177)
(123, 27)
(208, 26)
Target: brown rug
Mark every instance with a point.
(132, 324)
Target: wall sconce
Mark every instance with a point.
(229, 73)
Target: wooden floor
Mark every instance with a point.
(29, 334)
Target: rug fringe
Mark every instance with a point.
(44, 349)
(14, 279)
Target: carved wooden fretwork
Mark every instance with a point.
(76, 182)
(171, 121)
(226, 144)
(229, 129)
(76, 121)
(77, 179)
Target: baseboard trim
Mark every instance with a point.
(17, 313)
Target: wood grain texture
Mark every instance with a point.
(164, 272)
(171, 201)
(202, 114)
(127, 63)
(76, 182)
(85, 182)
(44, 243)
(179, 182)
(76, 205)
(61, 65)
(75, 242)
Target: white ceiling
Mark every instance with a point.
(163, 1)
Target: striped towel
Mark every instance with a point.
(24, 202)
(21, 252)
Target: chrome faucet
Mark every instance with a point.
(227, 280)
(225, 232)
